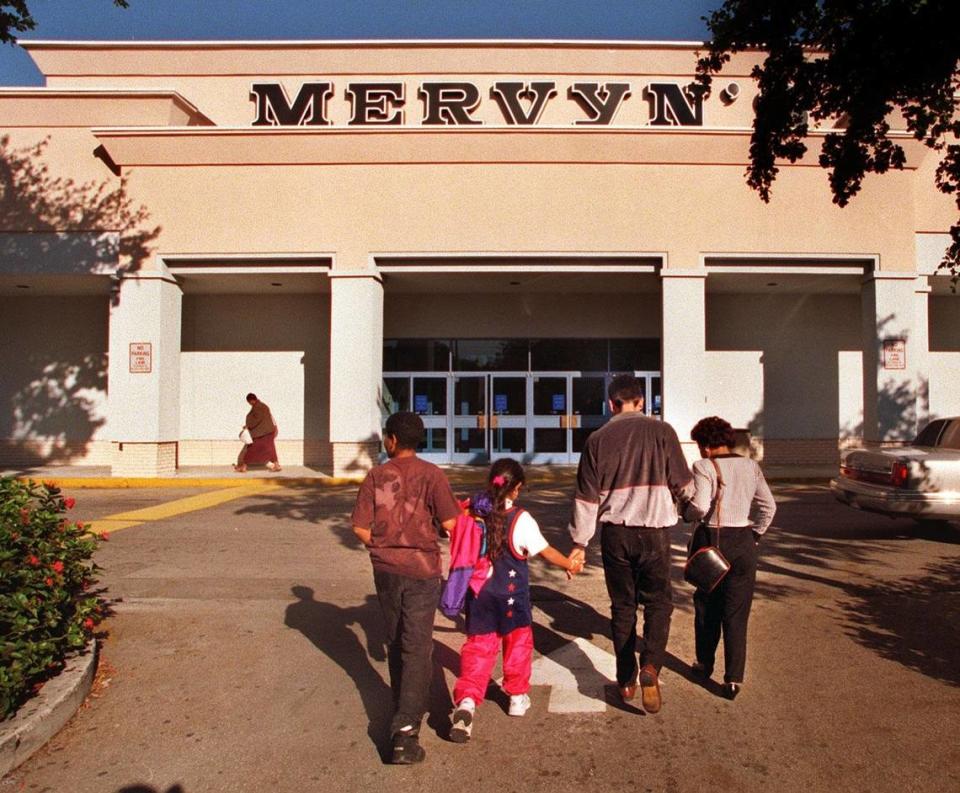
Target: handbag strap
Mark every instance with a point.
(719, 499)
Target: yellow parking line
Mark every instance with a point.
(135, 517)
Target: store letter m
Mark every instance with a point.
(275, 110)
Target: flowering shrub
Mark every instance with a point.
(47, 608)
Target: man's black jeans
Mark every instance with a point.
(636, 564)
(408, 606)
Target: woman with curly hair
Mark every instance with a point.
(735, 507)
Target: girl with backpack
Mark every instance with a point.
(500, 614)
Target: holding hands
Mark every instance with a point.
(577, 560)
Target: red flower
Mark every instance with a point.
(48, 581)
(25, 516)
(85, 585)
(80, 524)
(58, 566)
(33, 561)
(69, 503)
(89, 624)
(105, 536)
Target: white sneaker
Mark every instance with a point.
(519, 704)
(463, 721)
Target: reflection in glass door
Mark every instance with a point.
(470, 419)
(590, 409)
(508, 415)
(429, 401)
(550, 421)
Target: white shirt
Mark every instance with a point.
(527, 539)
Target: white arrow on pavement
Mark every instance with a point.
(577, 674)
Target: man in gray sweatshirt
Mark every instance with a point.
(632, 474)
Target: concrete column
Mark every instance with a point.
(144, 375)
(893, 345)
(356, 370)
(684, 351)
(921, 347)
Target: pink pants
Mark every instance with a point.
(478, 656)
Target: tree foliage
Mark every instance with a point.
(859, 63)
(15, 18)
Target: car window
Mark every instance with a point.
(951, 436)
(929, 434)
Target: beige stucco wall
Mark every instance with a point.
(685, 211)
(53, 386)
(785, 366)
(546, 193)
(276, 346)
(944, 358)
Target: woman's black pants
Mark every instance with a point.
(726, 610)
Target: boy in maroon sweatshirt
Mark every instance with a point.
(395, 517)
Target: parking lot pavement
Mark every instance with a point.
(246, 654)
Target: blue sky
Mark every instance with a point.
(145, 20)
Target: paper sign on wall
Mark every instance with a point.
(894, 354)
(141, 357)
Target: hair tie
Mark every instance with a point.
(499, 480)
(482, 504)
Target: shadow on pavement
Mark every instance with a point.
(150, 789)
(913, 621)
(327, 626)
(441, 701)
(332, 506)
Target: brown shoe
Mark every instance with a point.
(650, 689)
(629, 691)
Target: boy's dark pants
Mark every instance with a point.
(636, 565)
(727, 608)
(408, 606)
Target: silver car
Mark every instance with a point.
(921, 480)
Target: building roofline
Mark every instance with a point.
(52, 44)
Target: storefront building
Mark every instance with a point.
(482, 232)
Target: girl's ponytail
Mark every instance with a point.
(502, 480)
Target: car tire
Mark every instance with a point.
(934, 524)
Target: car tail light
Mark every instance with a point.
(899, 474)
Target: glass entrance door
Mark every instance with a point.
(471, 419)
(550, 419)
(430, 398)
(590, 410)
(542, 418)
(566, 408)
(508, 415)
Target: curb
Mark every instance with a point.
(42, 717)
(111, 483)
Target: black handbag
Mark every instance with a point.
(707, 566)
